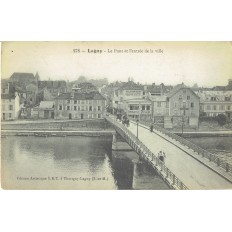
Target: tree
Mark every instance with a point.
(221, 118)
(82, 79)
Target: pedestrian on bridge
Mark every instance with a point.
(151, 127)
(161, 156)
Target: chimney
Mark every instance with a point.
(161, 88)
(153, 84)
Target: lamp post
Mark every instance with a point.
(137, 128)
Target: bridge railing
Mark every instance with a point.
(146, 154)
(200, 151)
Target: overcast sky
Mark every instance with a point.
(204, 63)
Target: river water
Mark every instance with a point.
(72, 162)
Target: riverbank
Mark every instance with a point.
(197, 134)
(55, 133)
(84, 124)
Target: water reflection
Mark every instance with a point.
(75, 162)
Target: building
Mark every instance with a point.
(138, 108)
(10, 103)
(127, 91)
(184, 106)
(24, 79)
(157, 90)
(78, 105)
(176, 107)
(213, 103)
(87, 87)
(26, 84)
(46, 110)
(49, 90)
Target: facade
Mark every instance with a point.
(46, 110)
(213, 103)
(128, 91)
(176, 107)
(138, 109)
(10, 103)
(49, 90)
(77, 105)
(184, 106)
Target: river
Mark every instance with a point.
(72, 162)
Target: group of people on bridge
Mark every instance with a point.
(124, 119)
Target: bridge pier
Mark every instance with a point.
(119, 145)
(145, 177)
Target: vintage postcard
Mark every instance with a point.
(116, 115)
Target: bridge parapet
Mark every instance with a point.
(169, 177)
(200, 151)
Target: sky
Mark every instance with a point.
(204, 63)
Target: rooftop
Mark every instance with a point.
(81, 96)
(46, 105)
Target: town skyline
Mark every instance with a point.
(205, 63)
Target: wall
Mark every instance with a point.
(80, 109)
(97, 124)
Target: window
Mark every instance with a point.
(99, 108)
(75, 107)
(221, 107)
(208, 107)
(10, 115)
(68, 101)
(213, 98)
(90, 108)
(79, 108)
(188, 97)
(143, 107)
(214, 107)
(228, 107)
(82, 108)
(75, 101)
(227, 98)
(134, 107)
(10, 107)
(180, 97)
(60, 107)
(148, 107)
(167, 105)
(99, 115)
(158, 104)
(68, 107)
(192, 104)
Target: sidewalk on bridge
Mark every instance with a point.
(194, 154)
(193, 170)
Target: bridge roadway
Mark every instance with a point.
(193, 173)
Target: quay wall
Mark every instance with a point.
(72, 125)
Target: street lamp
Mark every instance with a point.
(137, 128)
